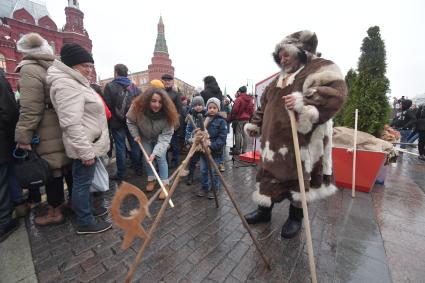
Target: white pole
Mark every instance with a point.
(303, 197)
(353, 181)
(155, 173)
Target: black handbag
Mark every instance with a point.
(30, 168)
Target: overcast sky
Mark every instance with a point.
(233, 40)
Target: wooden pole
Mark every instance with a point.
(236, 205)
(353, 180)
(155, 173)
(232, 198)
(405, 151)
(155, 224)
(405, 143)
(303, 197)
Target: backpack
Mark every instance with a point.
(122, 103)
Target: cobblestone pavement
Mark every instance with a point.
(355, 240)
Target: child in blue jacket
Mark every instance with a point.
(216, 126)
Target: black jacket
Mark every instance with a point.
(176, 98)
(9, 114)
(110, 93)
(406, 119)
(212, 91)
(420, 116)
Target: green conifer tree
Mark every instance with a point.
(368, 87)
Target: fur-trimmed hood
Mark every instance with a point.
(305, 41)
(44, 60)
(33, 43)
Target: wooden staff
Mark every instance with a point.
(405, 151)
(236, 205)
(353, 180)
(155, 224)
(229, 192)
(303, 196)
(405, 143)
(155, 173)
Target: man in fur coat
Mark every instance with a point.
(315, 90)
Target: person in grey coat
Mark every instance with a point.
(151, 120)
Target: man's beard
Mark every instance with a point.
(290, 69)
(169, 88)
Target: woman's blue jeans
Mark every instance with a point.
(161, 161)
(82, 180)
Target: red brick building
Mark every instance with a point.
(19, 17)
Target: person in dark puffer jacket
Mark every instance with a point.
(216, 126)
(8, 117)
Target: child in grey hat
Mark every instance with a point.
(197, 112)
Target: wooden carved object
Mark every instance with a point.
(132, 224)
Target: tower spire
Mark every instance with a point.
(161, 43)
(161, 63)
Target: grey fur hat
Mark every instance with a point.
(214, 100)
(304, 40)
(33, 43)
(197, 100)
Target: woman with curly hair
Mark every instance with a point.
(151, 120)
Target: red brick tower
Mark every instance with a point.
(74, 18)
(161, 63)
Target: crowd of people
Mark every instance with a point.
(75, 126)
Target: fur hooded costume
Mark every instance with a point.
(320, 91)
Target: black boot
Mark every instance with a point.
(189, 180)
(293, 224)
(261, 214)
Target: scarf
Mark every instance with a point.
(155, 115)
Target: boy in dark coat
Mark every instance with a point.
(216, 126)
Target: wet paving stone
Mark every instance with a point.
(372, 238)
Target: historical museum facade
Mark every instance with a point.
(19, 17)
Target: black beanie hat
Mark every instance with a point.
(73, 54)
(242, 89)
